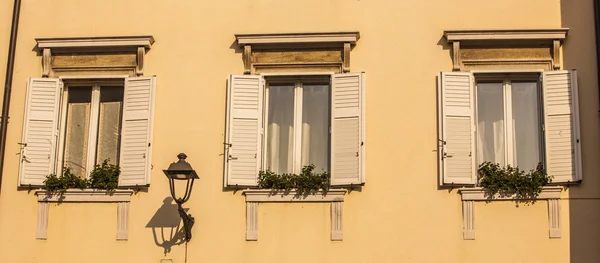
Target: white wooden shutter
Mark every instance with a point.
(347, 129)
(456, 133)
(40, 131)
(136, 131)
(561, 126)
(243, 136)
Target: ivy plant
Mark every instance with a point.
(509, 180)
(105, 176)
(306, 182)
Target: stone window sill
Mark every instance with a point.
(256, 196)
(121, 197)
(478, 194)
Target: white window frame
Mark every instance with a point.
(298, 104)
(507, 78)
(95, 82)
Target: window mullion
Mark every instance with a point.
(510, 154)
(297, 159)
(93, 129)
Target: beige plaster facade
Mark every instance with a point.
(401, 214)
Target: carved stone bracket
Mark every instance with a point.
(346, 58)
(456, 56)
(46, 62)
(254, 197)
(556, 54)
(121, 197)
(247, 56)
(471, 195)
(139, 70)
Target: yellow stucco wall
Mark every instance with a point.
(399, 216)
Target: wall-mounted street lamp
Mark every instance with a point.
(182, 170)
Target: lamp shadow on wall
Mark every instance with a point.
(166, 226)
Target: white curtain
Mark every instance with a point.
(315, 126)
(280, 134)
(490, 123)
(526, 125)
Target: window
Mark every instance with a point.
(512, 120)
(80, 123)
(297, 125)
(91, 125)
(284, 123)
(509, 126)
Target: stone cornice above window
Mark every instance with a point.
(113, 55)
(505, 48)
(297, 52)
(298, 38)
(96, 43)
(505, 34)
(471, 195)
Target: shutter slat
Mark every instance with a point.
(244, 135)
(561, 120)
(136, 134)
(347, 131)
(456, 128)
(40, 127)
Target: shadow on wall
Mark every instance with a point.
(166, 226)
(584, 199)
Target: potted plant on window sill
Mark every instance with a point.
(308, 182)
(505, 183)
(103, 179)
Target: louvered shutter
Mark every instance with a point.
(347, 129)
(40, 131)
(456, 128)
(561, 121)
(243, 136)
(136, 131)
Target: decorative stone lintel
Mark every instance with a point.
(477, 194)
(254, 197)
(122, 197)
(501, 37)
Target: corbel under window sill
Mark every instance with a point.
(121, 197)
(256, 196)
(471, 195)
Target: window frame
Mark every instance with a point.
(95, 82)
(507, 77)
(298, 81)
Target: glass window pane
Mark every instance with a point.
(315, 126)
(526, 124)
(77, 129)
(490, 123)
(280, 129)
(109, 124)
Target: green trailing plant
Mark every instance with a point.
(66, 181)
(105, 176)
(511, 180)
(306, 182)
